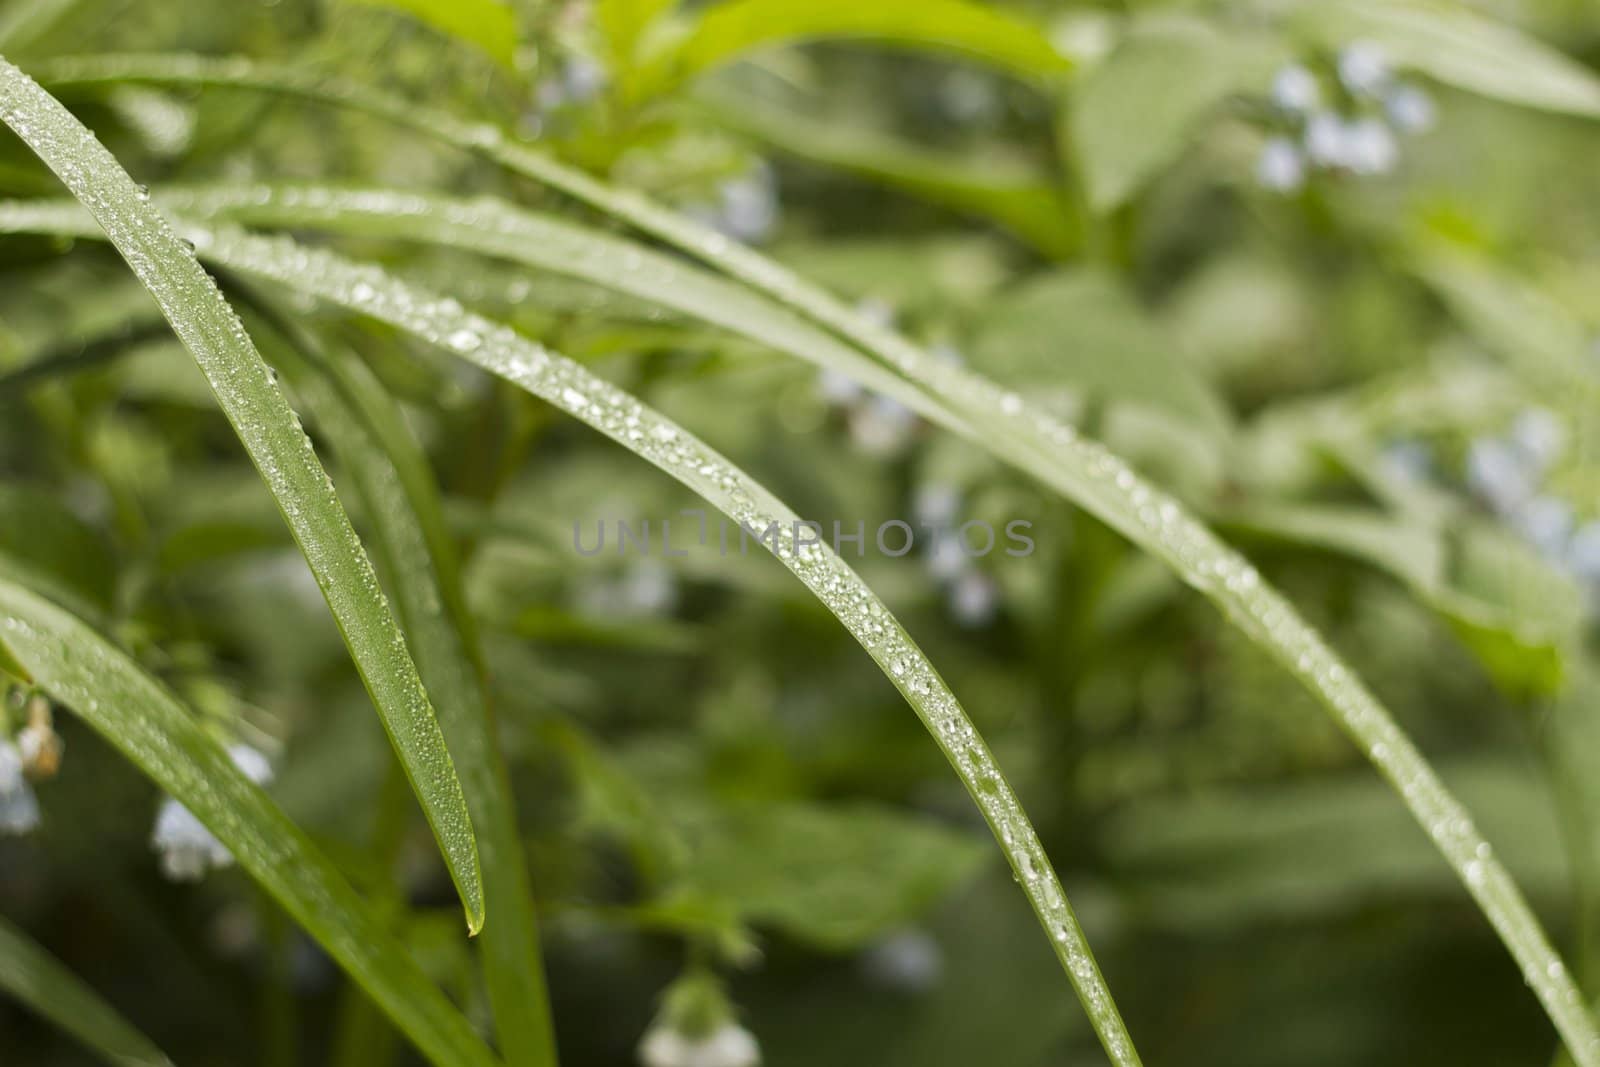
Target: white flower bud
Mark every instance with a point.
(882, 426)
(1546, 522)
(19, 808)
(1499, 474)
(1583, 551)
(188, 850)
(1539, 435)
(838, 388)
(1410, 109)
(936, 504)
(1281, 168)
(1325, 139)
(975, 599)
(1364, 68)
(1296, 91)
(729, 1045)
(1370, 147)
(910, 961)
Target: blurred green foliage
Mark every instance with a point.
(1379, 381)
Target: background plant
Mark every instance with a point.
(1249, 247)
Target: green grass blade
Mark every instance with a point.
(138, 716)
(271, 434)
(390, 475)
(1012, 429)
(570, 387)
(497, 228)
(40, 981)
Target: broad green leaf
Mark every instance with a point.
(271, 433)
(1079, 329)
(1007, 190)
(1277, 852)
(491, 25)
(1536, 337)
(39, 980)
(1458, 47)
(24, 20)
(1015, 431)
(1411, 551)
(1139, 109)
(626, 23)
(414, 550)
(725, 32)
(836, 877)
(138, 716)
(44, 543)
(1517, 616)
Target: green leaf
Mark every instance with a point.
(42, 541)
(414, 550)
(271, 433)
(1013, 430)
(1534, 334)
(1460, 48)
(39, 980)
(139, 717)
(25, 20)
(497, 228)
(833, 876)
(625, 23)
(729, 31)
(488, 24)
(1520, 618)
(1080, 329)
(1138, 110)
(1411, 551)
(1008, 190)
(571, 388)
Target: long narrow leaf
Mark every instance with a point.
(43, 983)
(271, 434)
(413, 548)
(139, 717)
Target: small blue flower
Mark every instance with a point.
(1281, 168)
(1540, 436)
(1370, 147)
(188, 850)
(1296, 91)
(974, 599)
(1546, 522)
(910, 961)
(1364, 68)
(19, 808)
(1499, 473)
(882, 426)
(1410, 109)
(1326, 139)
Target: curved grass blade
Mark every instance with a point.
(495, 227)
(413, 548)
(500, 351)
(139, 717)
(271, 434)
(40, 981)
(1033, 441)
